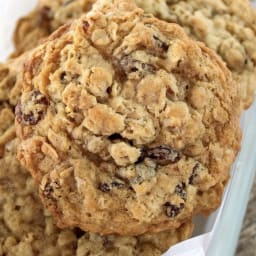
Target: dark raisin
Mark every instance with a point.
(78, 232)
(109, 90)
(48, 190)
(108, 244)
(115, 136)
(172, 210)
(63, 75)
(17, 207)
(161, 44)
(117, 184)
(194, 174)
(181, 190)
(129, 65)
(30, 118)
(162, 155)
(104, 187)
(38, 98)
(31, 114)
(86, 25)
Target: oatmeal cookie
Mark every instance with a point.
(11, 80)
(125, 122)
(26, 228)
(226, 26)
(145, 245)
(221, 25)
(47, 17)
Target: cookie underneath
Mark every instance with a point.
(26, 228)
(228, 27)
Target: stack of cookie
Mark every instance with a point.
(126, 126)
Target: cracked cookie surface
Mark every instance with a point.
(221, 25)
(226, 26)
(126, 133)
(25, 227)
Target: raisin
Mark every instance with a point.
(78, 232)
(117, 184)
(17, 207)
(162, 155)
(180, 190)
(48, 190)
(108, 244)
(31, 114)
(194, 174)
(63, 75)
(109, 90)
(161, 44)
(104, 187)
(172, 210)
(86, 25)
(129, 65)
(38, 98)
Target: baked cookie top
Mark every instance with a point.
(226, 26)
(26, 228)
(125, 122)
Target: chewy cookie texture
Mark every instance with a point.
(26, 228)
(226, 26)
(126, 133)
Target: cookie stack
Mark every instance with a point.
(126, 126)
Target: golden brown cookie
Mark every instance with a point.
(221, 25)
(47, 17)
(26, 228)
(125, 122)
(11, 80)
(226, 26)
